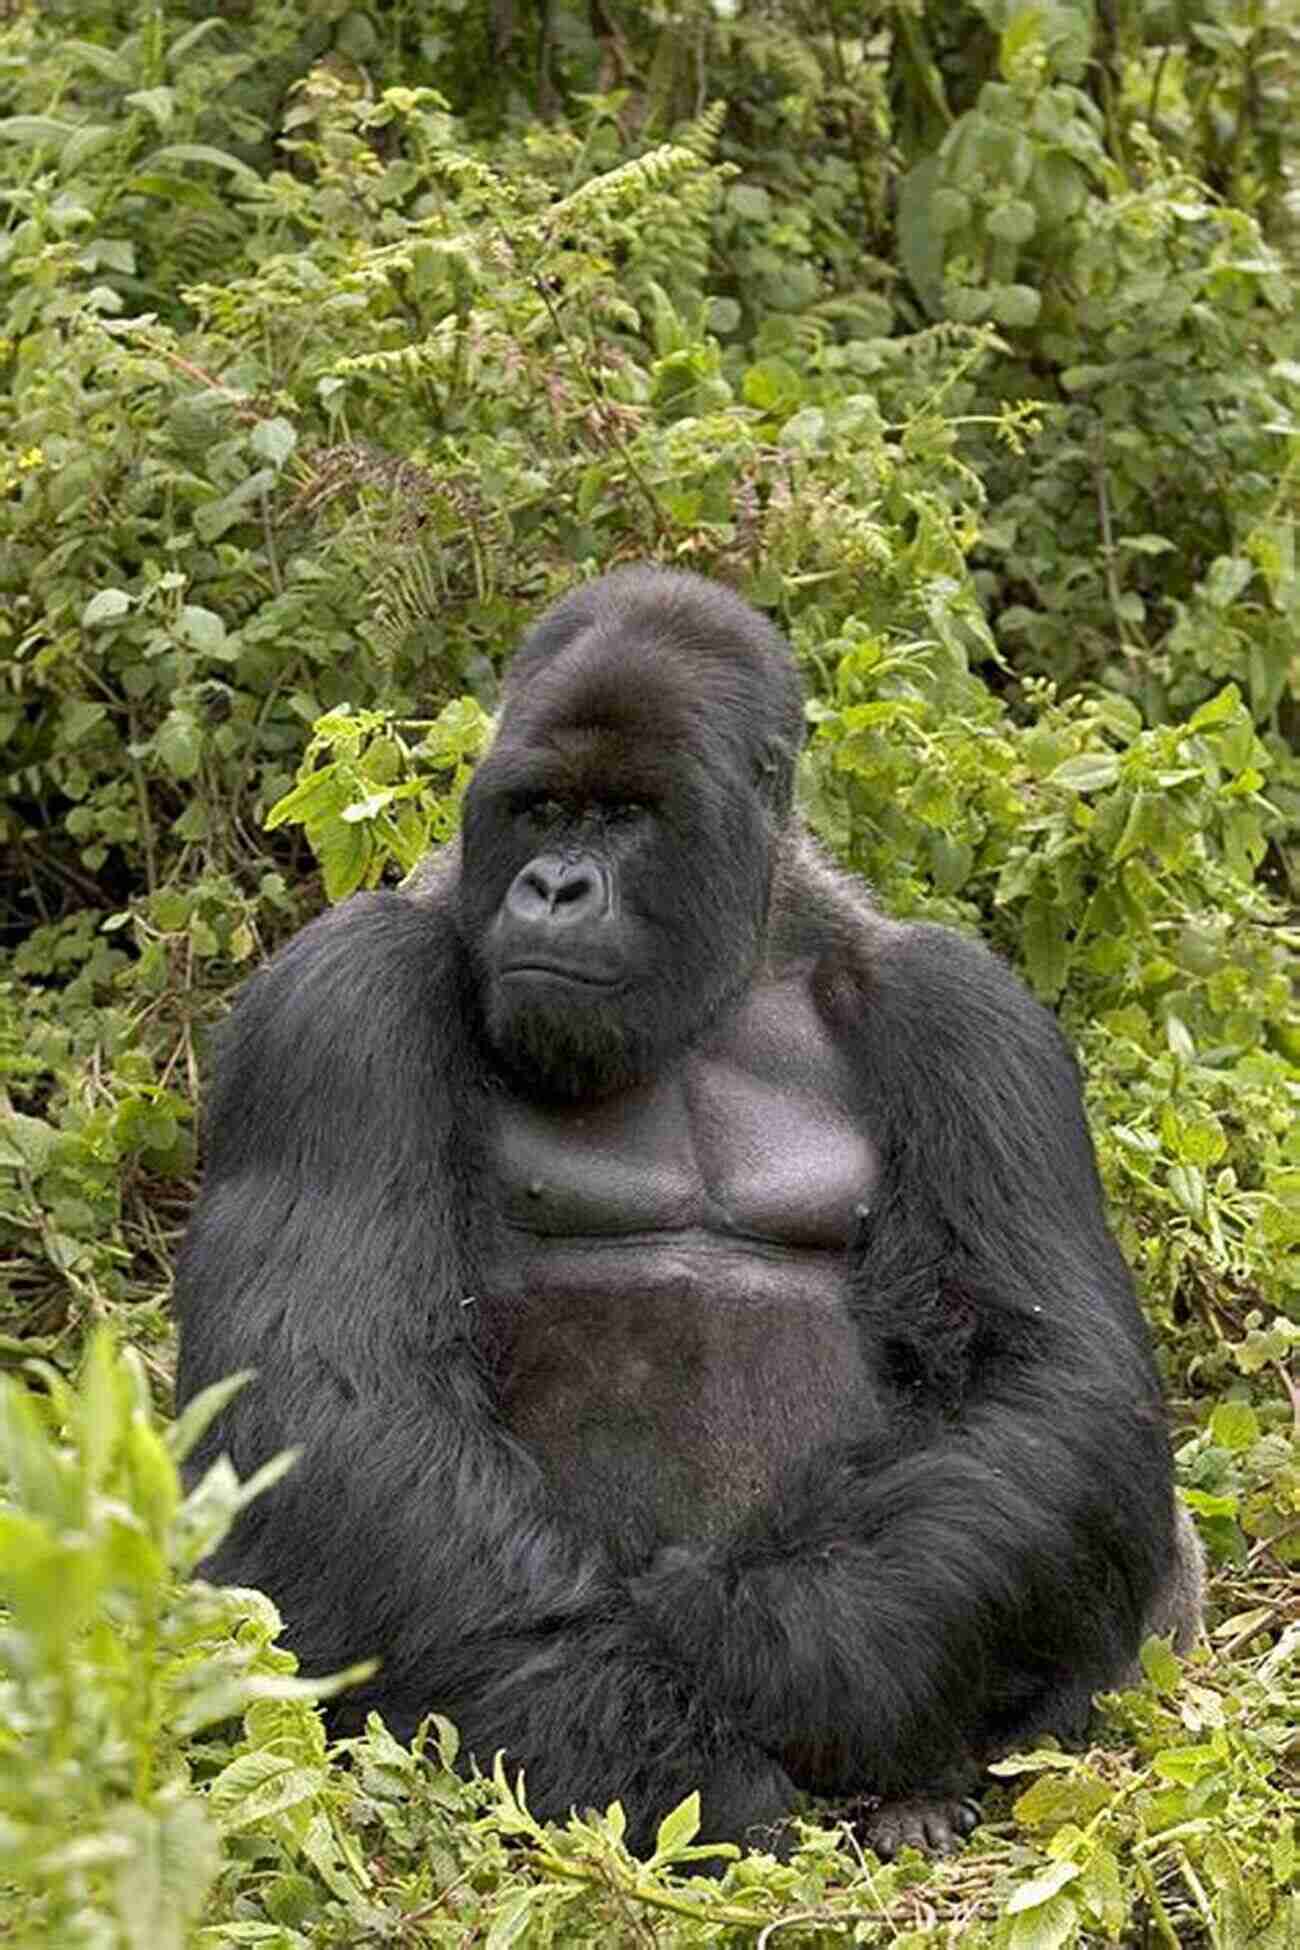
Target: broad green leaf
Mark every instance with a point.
(1041, 1888)
(1048, 1927)
(1235, 1426)
(1087, 772)
(1218, 710)
(274, 441)
(179, 744)
(202, 629)
(257, 1784)
(105, 607)
(163, 1883)
(1016, 305)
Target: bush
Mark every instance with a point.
(334, 343)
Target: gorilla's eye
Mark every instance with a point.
(540, 809)
(620, 812)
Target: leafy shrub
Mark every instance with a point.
(335, 341)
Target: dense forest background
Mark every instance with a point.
(334, 341)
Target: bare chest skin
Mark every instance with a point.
(666, 1281)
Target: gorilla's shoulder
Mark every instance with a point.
(914, 985)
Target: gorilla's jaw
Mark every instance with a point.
(562, 1039)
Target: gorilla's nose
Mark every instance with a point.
(558, 892)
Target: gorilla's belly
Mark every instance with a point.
(666, 1384)
(665, 1288)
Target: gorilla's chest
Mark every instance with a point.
(666, 1282)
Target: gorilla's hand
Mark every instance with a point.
(747, 1799)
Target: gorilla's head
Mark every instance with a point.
(619, 837)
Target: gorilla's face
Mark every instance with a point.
(618, 846)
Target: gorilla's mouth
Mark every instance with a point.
(554, 971)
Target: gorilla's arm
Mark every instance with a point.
(982, 1576)
(327, 1253)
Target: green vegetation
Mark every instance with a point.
(333, 342)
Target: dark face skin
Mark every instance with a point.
(602, 935)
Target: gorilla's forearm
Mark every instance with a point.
(877, 1623)
(442, 1562)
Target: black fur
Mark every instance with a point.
(955, 1572)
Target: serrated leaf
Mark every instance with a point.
(1235, 1426)
(344, 853)
(1101, 1889)
(258, 1784)
(317, 796)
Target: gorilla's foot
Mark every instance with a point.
(937, 1824)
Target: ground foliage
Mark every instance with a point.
(333, 342)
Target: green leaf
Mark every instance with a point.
(179, 744)
(105, 607)
(202, 1411)
(511, 1917)
(1046, 946)
(679, 1828)
(1235, 1426)
(1087, 772)
(1048, 1927)
(202, 629)
(1218, 710)
(322, 792)
(773, 386)
(164, 1881)
(26, 1143)
(1012, 223)
(950, 211)
(202, 152)
(344, 852)
(258, 1784)
(274, 441)
(35, 130)
(1058, 1798)
(1160, 1665)
(157, 103)
(1041, 1888)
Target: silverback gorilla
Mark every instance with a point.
(688, 1291)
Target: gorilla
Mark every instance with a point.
(687, 1290)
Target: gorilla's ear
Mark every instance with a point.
(774, 777)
